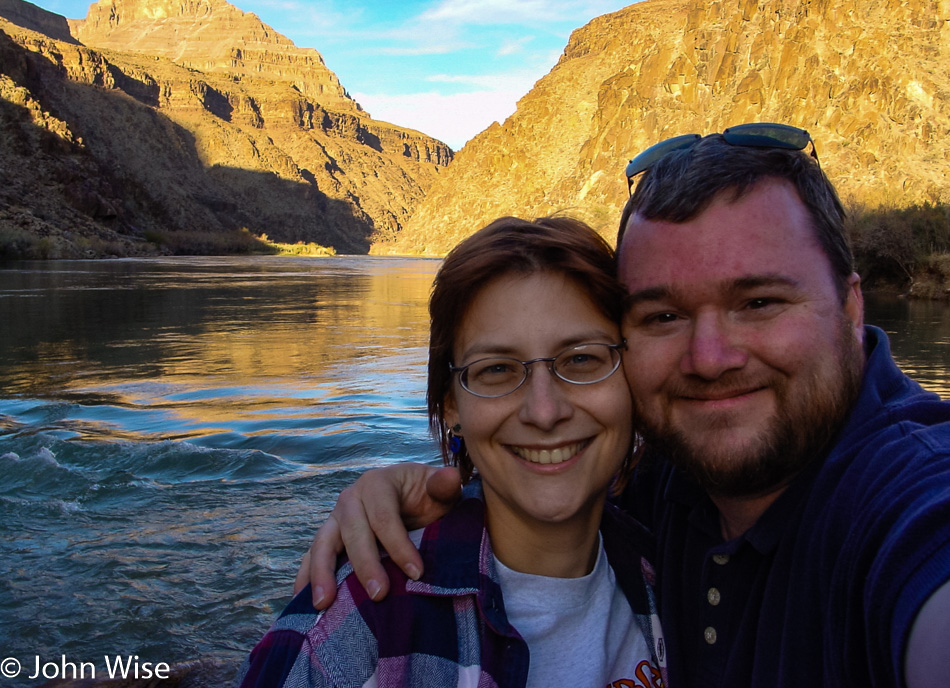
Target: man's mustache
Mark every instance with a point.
(725, 387)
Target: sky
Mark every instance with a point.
(448, 68)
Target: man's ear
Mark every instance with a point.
(854, 305)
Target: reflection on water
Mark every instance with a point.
(171, 431)
(920, 337)
(229, 349)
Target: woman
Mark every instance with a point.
(524, 397)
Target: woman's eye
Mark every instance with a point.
(498, 369)
(492, 370)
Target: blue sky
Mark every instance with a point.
(448, 68)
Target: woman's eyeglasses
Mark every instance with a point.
(497, 376)
(753, 135)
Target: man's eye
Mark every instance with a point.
(762, 302)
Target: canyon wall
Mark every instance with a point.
(112, 146)
(867, 78)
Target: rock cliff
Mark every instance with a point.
(31, 17)
(101, 149)
(210, 36)
(868, 79)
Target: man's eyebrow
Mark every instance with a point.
(635, 298)
(737, 286)
(766, 280)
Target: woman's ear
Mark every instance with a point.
(451, 410)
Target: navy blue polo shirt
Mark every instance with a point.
(823, 590)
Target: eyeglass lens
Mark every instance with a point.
(497, 376)
(766, 135)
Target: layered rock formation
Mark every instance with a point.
(113, 147)
(211, 36)
(868, 79)
(31, 17)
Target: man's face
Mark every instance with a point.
(741, 357)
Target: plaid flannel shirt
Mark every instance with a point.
(447, 629)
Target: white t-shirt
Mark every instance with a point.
(579, 631)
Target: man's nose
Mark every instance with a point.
(714, 348)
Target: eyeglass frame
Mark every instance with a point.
(461, 370)
(750, 135)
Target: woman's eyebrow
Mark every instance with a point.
(598, 335)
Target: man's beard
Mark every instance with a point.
(806, 419)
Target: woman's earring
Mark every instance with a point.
(455, 440)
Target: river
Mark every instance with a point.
(173, 430)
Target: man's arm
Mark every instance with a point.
(375, 507)
(927, 662)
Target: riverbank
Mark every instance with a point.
(17, 243)
(929, 281)
(887, 250)
(932, 279)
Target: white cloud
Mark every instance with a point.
(519, 82)
(528, 12)
(486, 11)
(514, 46)
(453, 119)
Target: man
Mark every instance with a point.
(797, 483)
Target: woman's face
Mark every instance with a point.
(548, 451)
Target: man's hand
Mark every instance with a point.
(375, 507)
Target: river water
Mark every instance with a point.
(173, 430)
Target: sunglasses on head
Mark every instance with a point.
(753, 135)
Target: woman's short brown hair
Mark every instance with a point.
(509, 245)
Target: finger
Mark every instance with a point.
(303, 573)
(445, 485)
(359, 540)
(320, 563)
(382, 511)
(422, 494)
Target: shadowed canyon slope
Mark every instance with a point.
(868, 78)
(230, 127)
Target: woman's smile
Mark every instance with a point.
(552, 455)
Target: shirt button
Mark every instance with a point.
(721, 559)
(710, 635)
(713, 596)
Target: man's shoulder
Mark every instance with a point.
(892, 412)
(913, 423)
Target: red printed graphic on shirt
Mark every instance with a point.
(647, 676)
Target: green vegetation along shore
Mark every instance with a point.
(900, 250)
(904, 250)
(19, 244)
